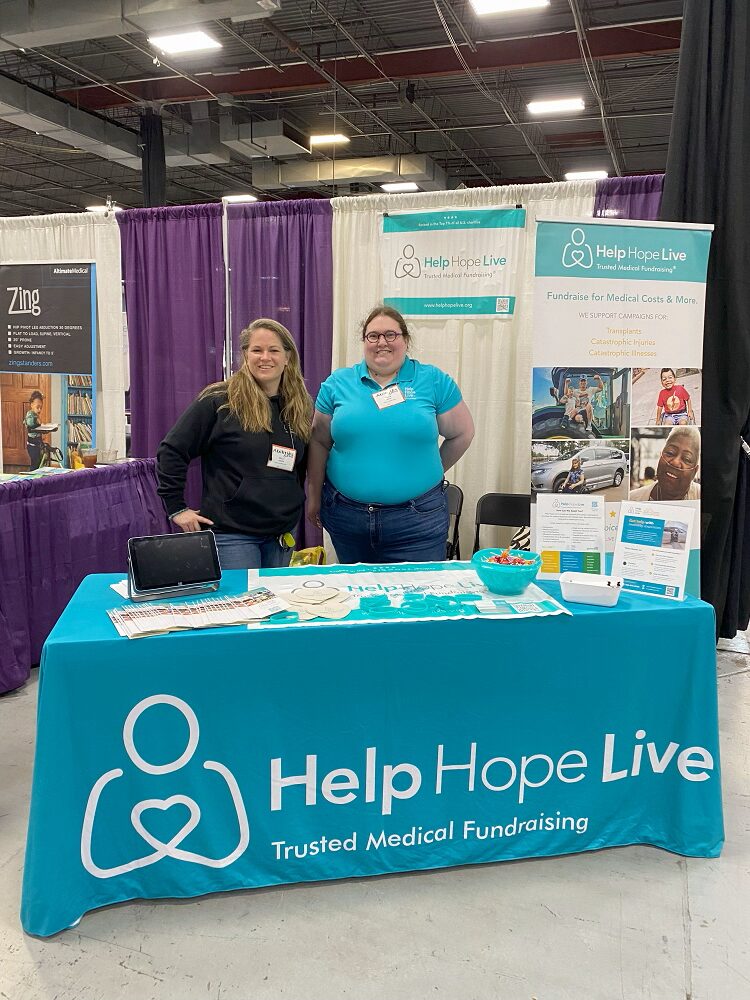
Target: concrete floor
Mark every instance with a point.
(628, 923)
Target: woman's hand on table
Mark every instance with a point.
(190, 520)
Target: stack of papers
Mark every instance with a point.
(135, 621)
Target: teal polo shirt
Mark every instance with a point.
(390, 455)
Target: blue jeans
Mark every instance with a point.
(238, 551)
(415, 531)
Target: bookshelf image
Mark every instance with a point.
(79, 413)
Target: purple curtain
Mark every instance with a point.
(281, 267)
(173, 272)
(54, 531)
(629, 197)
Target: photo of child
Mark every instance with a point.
(666, 397)
(33, 434)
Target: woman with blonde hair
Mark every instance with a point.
(251, 433)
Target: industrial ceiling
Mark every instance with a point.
(427, 91)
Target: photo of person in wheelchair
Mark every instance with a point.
(588, 403)
(575, 481)
(673, 405)
(578, 468)
(666, 397)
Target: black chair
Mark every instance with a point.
(455, 506)
(508, 510)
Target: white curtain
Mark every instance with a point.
(489, 358)
(84, 237)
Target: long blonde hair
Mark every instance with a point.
(249, 404)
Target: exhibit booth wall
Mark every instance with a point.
(191, 273)
(490, 358)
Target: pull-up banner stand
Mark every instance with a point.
(616, 381)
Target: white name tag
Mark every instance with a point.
(389, 396)
(282, 457)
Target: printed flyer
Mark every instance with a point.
(569, 534)
(652, 548)
(47, 364)
(455, 262)
(617, 350)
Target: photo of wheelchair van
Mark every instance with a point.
(586, 403)
(601, 467)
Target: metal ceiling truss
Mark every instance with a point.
(439, 98)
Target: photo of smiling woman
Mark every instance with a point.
(251, 434)
(677, 467)
(376, 467)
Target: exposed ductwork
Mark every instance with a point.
(268, 138)
(30, 109)
(415, 167)
(199, 147)
(28, 24)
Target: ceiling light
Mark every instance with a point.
(399, 186)
(103, 209)
(506, 6)
(232, 198)
(328, 140)
(555, 107)
(586, 175)
(187, 41)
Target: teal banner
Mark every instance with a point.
(493, 218)
(224, 759)
(467, 305)
(573, 249)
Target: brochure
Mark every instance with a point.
(569, 534)
(137, 621)
(653, 548)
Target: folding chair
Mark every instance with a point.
(455, 506)
(508, 510)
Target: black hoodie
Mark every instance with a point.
(240, 492)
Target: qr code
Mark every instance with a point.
(502, 305)
(527, 609)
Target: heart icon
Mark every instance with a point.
(163, 805)
(577, 256)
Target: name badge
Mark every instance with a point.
(389, 396)
(282, 457)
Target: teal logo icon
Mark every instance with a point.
(170, 848)
(577, 252)
(408, 264)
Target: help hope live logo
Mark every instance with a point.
(373, 782)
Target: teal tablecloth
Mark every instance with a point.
(221, 759)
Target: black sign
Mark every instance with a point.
(47, 316)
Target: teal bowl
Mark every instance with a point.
(509, 581)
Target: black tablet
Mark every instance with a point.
(161, 562)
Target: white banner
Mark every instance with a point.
(453, 262)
